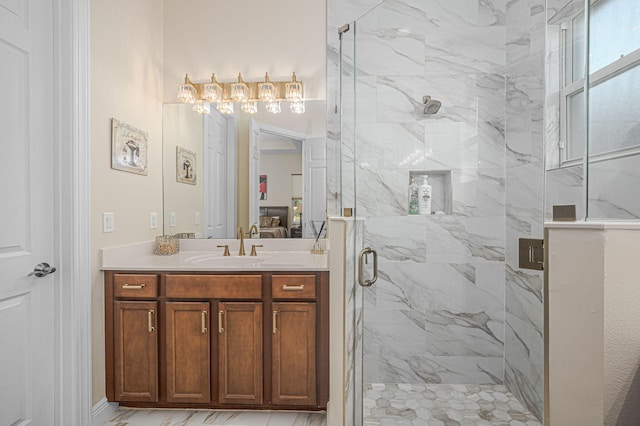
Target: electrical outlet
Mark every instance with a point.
(172, 219)
(107, 222)
(153, 220)
(197, 218)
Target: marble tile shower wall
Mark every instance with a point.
(524, 343)
(436, 313)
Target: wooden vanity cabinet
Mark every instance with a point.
(187, 340)
(214, 340)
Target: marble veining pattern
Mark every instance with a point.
(160, 417)
(446, 405)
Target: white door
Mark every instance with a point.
(314, 171)
(254, 173)
(216, 177)
(26, 212)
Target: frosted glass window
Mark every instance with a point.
(576, 126)
(578, 49)
(614, 31)
(614, 122)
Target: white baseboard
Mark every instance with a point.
(102, 412)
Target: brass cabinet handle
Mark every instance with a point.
(293, 287)
(151, 319)
(220, 328)
(204, 322)
(133, 286)
(275, 319)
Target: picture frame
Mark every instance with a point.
(128, 148)
(186, 162)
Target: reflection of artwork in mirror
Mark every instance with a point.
(296, 206)
(185, 166)
(263, 187)
(128, 148)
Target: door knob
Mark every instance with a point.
(42, 269)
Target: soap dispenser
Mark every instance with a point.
(424, 196)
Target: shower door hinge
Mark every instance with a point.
(531, 254)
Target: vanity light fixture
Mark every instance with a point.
(266, 90)
(294, 89)
(225, 107)
(212, 92)
(248, 94)
(201, 107)
(250, 107)
(239, 90)
(273, 107)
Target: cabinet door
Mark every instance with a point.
(240, 353)
(294, 354)
(136, 351)
(188, 352)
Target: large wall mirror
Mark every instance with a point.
(226, 171)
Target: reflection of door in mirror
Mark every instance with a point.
(208, 207)
(219, 176)
(285, 154)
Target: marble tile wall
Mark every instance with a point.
(436, 314)
(450, 305)
(524, 342)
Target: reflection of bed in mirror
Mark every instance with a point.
(273, 221)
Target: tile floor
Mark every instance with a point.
(443, 405)
(139, 417)
(384, 405)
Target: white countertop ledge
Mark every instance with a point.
(630, 225)
(204, 255)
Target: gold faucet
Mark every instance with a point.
(240, 236)
(253, 231)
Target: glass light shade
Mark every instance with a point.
(249, 107)
(293, 89)
(239, 90)
(225, 107)
(186, 93)
(201, 107)
(266, 90)
(212, 92)
(273, 107)
(297, 107)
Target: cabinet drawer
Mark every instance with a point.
(135, 285)
(293, 286)
(214, 286)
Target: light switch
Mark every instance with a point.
(197, 218)
(107, 222)
(153, 220)
(172, 219)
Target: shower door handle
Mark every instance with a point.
(364, 255)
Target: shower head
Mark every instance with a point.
(431, 106)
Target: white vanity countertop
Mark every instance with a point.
(204, 255)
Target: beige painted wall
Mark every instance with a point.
(126, 83)
(278, 168)
(184, 128)
(252, 37)
(594, 343)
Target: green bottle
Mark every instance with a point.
(413, 195)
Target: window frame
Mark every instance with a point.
(569, 88)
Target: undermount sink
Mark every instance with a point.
(284, 259)
(225, 261)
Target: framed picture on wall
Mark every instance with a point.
(128, 148)
(185, 166)
(263, 187)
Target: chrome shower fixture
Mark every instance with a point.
(431, 106)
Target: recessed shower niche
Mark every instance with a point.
(441, 193)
